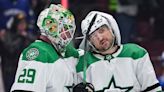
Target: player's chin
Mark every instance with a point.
(105, 46)
(102, 49)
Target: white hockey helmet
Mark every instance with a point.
(101, 19)
(58, 24)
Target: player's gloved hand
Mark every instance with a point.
(81, 87)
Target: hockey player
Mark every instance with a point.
(112, 66)
(42, 67)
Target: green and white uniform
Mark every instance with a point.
(41, 69)
(128, 70)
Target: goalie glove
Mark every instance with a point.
(81, 87)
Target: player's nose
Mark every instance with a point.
(99, 37)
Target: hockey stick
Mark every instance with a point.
(85, 48)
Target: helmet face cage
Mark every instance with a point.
(59, 26)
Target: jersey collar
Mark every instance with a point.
(113, 55)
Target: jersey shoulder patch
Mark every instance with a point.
(40, 51)
(132, 50)
(32, 53)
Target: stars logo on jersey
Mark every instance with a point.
(32, 53)
(112, 87)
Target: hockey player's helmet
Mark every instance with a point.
(58, 24)
(100, 20)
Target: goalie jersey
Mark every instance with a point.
(40, 69)
(127, 70)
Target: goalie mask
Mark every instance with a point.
(58, 24)
(100, 20)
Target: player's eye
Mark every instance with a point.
(92, 36)
(101, 30)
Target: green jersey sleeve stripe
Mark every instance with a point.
(71, 51)
(90, 59)
(41, 52)
(132, 50)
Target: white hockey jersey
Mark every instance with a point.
(127, 70)
(41, 69)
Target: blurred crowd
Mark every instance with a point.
(140, 21)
